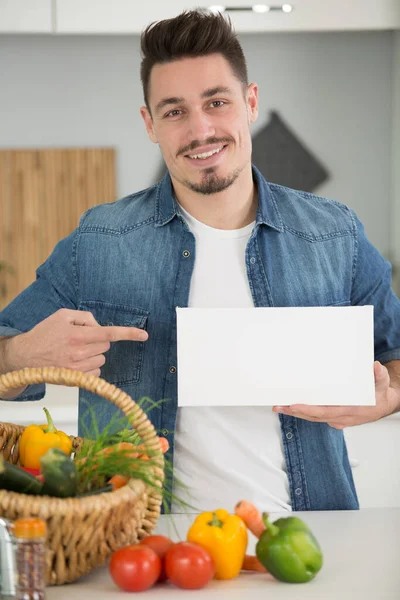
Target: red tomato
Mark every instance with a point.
(135, 568)
(189, 566)
(160, 544)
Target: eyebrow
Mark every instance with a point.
(206, 94)
(215, 90)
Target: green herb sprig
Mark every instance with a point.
(97, 462)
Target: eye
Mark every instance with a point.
(218, 103)
(173, 113)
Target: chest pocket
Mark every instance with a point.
(124, 358)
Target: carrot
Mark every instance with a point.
(125, 446)
(251, 563)
(118, 481)
(251, 517)
(163, 443)
(131, 450)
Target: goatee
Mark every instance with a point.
(212, 183)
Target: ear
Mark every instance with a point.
(252, 102)
(148, 121)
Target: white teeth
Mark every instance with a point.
(205, 154)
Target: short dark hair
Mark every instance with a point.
(191, 34)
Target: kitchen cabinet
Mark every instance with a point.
(130, 17)
(116, 17)
(82, 177)
(318, 15)
(26, 16)
(126, 16)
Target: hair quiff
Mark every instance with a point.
(191, 34)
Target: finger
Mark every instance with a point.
(318, 413)
(337, 423)
(80, 317)
(382, 377)
(96, 372)
(325, 414)
(343, 423)
(328, 413)
(114, 334)
(84, 352)
(92, 363)
(94, 348)
(377, 370)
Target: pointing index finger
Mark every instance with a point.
(115, 333)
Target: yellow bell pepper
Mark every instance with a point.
(37, 439)
(225, 538)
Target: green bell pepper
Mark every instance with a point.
(288, 550)
(289, 522)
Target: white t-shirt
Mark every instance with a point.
(225, 454)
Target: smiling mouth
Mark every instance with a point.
(205, 155)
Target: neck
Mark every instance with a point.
(233, 208)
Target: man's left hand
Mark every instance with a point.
(339, 417)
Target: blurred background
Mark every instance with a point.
(71, 135)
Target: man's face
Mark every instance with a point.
(200, 117)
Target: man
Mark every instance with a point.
(213, 233)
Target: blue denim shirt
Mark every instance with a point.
(130, 263)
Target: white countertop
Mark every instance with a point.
(361, 561)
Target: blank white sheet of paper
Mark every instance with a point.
(275, 356)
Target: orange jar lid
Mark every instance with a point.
(30, 528)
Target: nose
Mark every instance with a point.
(201, 125)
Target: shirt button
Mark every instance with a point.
(172, 369)
(252, 260)
(298, 491)
(186, 253)
(165, 432)
(289, 435)
(110, 323)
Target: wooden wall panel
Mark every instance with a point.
(43, 193)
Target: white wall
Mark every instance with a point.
(335, 90)
(395, 213)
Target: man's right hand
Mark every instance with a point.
(68, 338)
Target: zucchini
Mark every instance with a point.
(59, 473)
(107, 488)
(14, 479)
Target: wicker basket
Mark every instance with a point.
(83, 532)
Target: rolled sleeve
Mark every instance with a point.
(372, 280)
(32, 392)
(55, 287)
(388, 356)
(7, 331)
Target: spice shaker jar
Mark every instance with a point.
(8, 570)
(30, 537)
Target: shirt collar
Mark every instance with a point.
(166, 206)
(267, 211)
